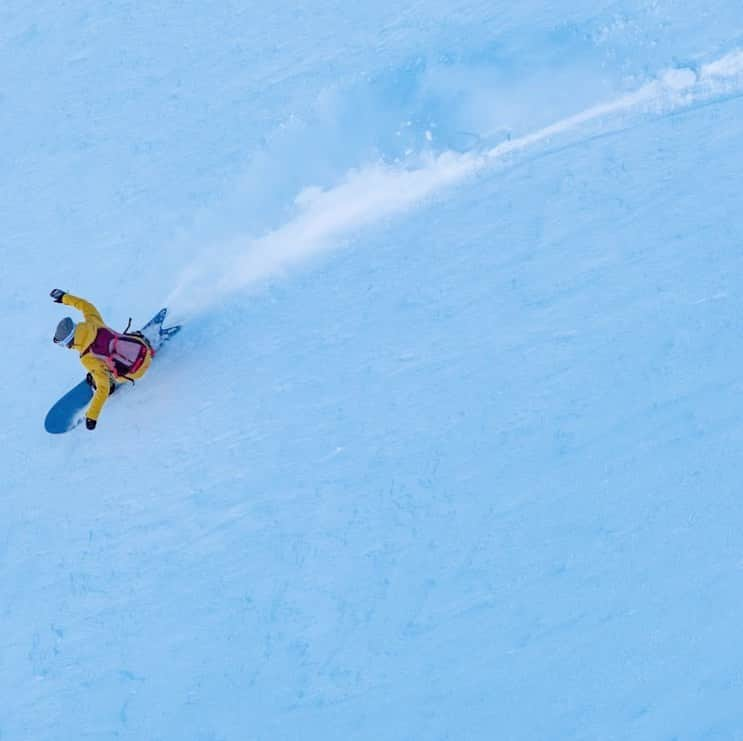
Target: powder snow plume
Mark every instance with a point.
(325, 219)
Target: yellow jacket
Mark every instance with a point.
(85, 333)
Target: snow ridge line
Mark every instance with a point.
(326, 219)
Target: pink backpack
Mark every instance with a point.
(122, 353)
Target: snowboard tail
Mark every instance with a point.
(69, 411)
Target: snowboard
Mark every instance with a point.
(69, 411)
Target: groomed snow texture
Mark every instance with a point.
(449, 447)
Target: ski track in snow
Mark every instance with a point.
(328, 217)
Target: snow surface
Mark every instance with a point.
(448, 446)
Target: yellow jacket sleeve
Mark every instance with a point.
(88, 310)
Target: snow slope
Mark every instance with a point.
(447, 447)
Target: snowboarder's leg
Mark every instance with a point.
(91, 382)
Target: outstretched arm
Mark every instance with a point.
(88, 310)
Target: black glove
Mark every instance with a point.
(57, 295)
(90, 423)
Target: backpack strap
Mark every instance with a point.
(142, 336)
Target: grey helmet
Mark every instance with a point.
(65, 332)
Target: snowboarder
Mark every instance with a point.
(110, 357)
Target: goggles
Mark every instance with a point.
(66, 340)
